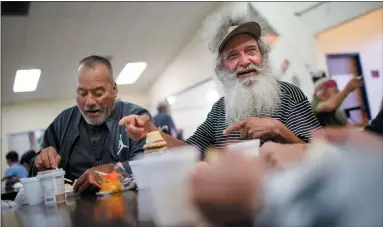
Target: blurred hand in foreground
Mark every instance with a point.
(227, 189)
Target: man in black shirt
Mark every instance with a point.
(86, 137)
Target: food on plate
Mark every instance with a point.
(154, 142)
(68, 187)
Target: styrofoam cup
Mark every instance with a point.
(249, 148)
(140, 168)
(33, 191)
(168, 185)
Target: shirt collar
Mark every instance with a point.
(114, 116)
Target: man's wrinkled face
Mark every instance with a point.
(242, 57)
(96, 93)
(250, 89)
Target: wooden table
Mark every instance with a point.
(124, 209)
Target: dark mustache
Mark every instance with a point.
(92, 109)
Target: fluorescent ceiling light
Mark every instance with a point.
(26, 80)
(171, 100)
(212, 96)
(131, 72)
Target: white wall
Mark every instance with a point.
(332, 14)
(34, 115)
(193, 105)
(296, 43)
(194, 62)
(363, 35)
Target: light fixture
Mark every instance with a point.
(26, 80)
(171, 100)
(131, 72)
(212, 96)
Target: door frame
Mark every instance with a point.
(359, 69)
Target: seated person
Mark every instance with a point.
(327, 100)
(26, 159)
(256, 105)
(86, 137)
(15, 171)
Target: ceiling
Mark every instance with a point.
(56, 35)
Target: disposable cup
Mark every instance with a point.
(250, 148)
(168, 185)
(141, 167)
(33, 191)
(53, 186)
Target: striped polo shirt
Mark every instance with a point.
(294, 112)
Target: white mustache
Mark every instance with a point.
(251, 67)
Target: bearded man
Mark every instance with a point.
(86, 137)
(255, 104)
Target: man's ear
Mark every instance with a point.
(115, 89)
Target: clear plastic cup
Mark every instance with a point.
(168, 177)
(33, 191)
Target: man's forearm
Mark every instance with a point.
(288, 137)
(334, 102)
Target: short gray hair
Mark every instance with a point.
(92, 60)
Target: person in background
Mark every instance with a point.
(86, 137)
(307, 193)
(256, 105)
(327, 100)
(26, 159)
(164, 121)
(15, 171)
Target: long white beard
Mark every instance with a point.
(256, 96)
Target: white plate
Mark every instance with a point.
(70, 193)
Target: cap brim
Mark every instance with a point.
(251, 28)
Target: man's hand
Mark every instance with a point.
(282, 155)
(227, 189)
(47, 159)
(137, 126)
(82, 184)
(256, 128)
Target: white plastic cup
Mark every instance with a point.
(33, 191)
(59, 185)
(250, 148)
(141, 167)
(46, 180)
(168, 185)
(53, 186)
(139, 173)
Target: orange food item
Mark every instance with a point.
(108, 182)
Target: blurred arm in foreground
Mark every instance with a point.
(348, 186)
